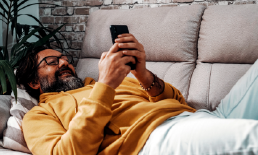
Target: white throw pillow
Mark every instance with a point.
(13, 136)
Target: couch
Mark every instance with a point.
(200, 50)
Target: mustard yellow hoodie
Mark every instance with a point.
(97, 119)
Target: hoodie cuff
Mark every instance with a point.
(167, 93)
(103, 94)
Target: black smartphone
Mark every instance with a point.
(115, 30)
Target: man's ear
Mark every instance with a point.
(34, 85)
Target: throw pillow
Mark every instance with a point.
(13, 136)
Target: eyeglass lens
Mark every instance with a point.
(55, 60)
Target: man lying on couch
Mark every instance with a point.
(121, 115)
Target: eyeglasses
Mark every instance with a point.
(54, 60)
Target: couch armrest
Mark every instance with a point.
(5, 105)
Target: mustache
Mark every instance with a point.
(57, 73)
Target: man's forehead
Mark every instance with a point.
(48, 52)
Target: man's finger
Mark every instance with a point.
(127, 70)
(113, 49)
(103, 55)
(127, 59)
(126, 39)
(128, 45)
(124, 35)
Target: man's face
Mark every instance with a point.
(56, 78)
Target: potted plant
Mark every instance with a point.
(9, 60)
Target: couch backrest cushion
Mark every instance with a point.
(229, 34)
(167, 33)
(177, 74)
(227, 47)
(169, 36)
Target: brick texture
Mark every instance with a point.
(74, 14)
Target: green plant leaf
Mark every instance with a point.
(3, 21)
(46, 38)
(5, 2)
(3, 15)
(42, 34)
(15, 61)
(24, 39)
(57, 41)
(20, 4)
(1, 53)
(13, 25)
(10, 75)
(3, 80)
(64, 39)
(3, 8)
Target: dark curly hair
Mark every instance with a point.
(27, 71)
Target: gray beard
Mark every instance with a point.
(58, 84)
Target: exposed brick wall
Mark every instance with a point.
(74, 13)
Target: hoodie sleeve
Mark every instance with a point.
(170, 92)
(44, 134)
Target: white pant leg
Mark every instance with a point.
(242, 100)
(203, 134)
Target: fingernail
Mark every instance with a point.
(119, 35)
(117, 39)
(120, 44)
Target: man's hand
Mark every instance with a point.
(131, 47)
(113, 68)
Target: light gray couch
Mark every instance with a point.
(202, 51)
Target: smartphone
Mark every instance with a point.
(115, 30)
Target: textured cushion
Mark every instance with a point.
(177, 74)
(5, 106)
(229, 34)
(212, 82)
(168, 34)
(11, 152)
(13, 136)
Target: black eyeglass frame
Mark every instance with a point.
(58, 57)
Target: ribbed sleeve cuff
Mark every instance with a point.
(167, 93)
(103, 94)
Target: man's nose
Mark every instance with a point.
(62, 62)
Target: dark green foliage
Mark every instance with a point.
(45, 36)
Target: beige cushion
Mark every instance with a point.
(168, 34)
(177, 74)
(229, 34)
(212, 82)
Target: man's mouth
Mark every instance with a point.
(65, 73)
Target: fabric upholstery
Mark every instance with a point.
(203, 134)
(4, 151)
(201, 51)
(5, 106)
(212, 82)
(229, 34)
(177, 74)
(13, 136)
(168, 34)
(88, 67)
